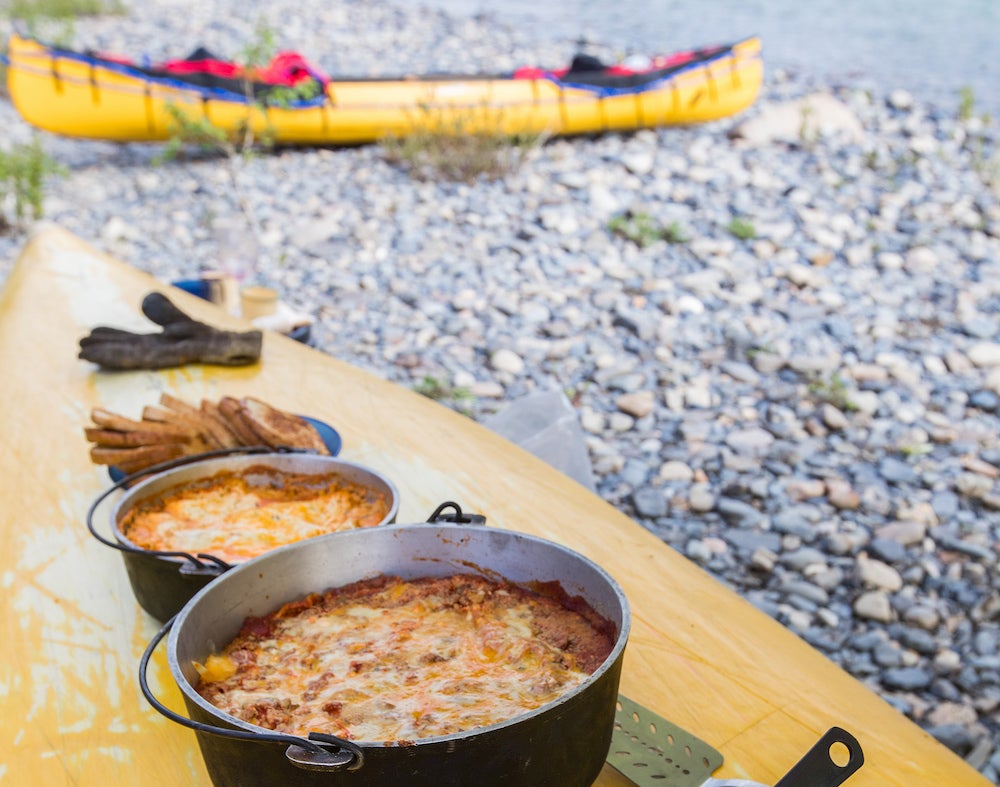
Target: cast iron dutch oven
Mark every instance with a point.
(162, 581)
(561, 744)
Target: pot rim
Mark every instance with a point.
(134, 493)
(609, 663)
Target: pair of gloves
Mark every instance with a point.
(183, 340)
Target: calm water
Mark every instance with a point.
(930, 47)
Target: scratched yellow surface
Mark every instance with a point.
(72, 633)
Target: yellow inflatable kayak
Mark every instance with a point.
(102, 97)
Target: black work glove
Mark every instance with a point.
(182, 340)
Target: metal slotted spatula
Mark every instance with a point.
(654, 752)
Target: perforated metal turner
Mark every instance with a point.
(654, 752)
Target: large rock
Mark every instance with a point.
(802, 120)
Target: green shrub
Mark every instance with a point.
(457, 398)
(458, 146)
(636, 226)
(675, 233)
(834, 391)
(240, 144)
(60, 9)
(23, 170)
(742, 228)
(53, 20)
(966, 103)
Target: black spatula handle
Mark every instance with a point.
(818, 769)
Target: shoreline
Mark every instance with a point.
(811, 414)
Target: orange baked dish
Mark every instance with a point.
(393, 660)
(236, 516)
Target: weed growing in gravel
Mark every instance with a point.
(459, 145)
(23, 170)
(253, 133)
(53, 19)
(966, 103)
(765, 348)
(833, 390)
(61, 9)
(440, 391)
(915, 450)
(675, 233)
(984, 162)
(640, 228)
(742, 228)
(808, 133)
(636, 226)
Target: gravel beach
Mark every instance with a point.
(812, 413)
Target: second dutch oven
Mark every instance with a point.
(163, 581)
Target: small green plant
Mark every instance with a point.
(459, 146)
(253, 133)
(834, 391)
(759, 349)
(636, 226)
(23, 170)
(62, 9)
(808, 133)
(741, 228)
(915, 450)
(53, 19)
(966, 103)
(242, 141)
(440, 391)
(675, 233)
(984, 161)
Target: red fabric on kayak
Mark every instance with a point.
(286, 68)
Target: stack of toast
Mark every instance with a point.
(175, 428)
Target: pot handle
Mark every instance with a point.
(203, 564)
(458, 516)
(310, 754)
(818, 769)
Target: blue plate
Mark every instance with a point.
(329, 436)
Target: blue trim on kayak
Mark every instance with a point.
(220, 94)
(653, 85)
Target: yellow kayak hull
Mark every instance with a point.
(79, 97)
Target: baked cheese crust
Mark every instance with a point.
(392, 660)
(237, 516)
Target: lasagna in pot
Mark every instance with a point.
(236, 516)
(393, 660)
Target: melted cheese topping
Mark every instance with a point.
(239, 516)
(391, 660)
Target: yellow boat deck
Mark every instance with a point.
(699, 654)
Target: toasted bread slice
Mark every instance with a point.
(108, 420)
(141, 456)
(180, 412)
(152, 412)
(278, 428)
(231, 410)
(220, 429)
(132, 438)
